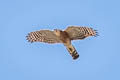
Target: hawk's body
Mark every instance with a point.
(65, 37)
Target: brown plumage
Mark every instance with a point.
(65, 37)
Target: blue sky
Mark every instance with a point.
(99, 56)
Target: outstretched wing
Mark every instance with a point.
(46, 36)
(79, 32)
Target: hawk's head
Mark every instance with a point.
(57, 32)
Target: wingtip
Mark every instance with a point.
(28, 38)
(96, 33)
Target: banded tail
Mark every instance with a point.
(72, 51)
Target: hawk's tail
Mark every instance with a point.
(72, 51)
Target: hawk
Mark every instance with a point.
(65, 37)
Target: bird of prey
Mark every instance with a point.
(65, 37)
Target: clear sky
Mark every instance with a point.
(99, 56)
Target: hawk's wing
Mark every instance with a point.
(78, 32)
(46, 36)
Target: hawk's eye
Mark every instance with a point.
(55, 30)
